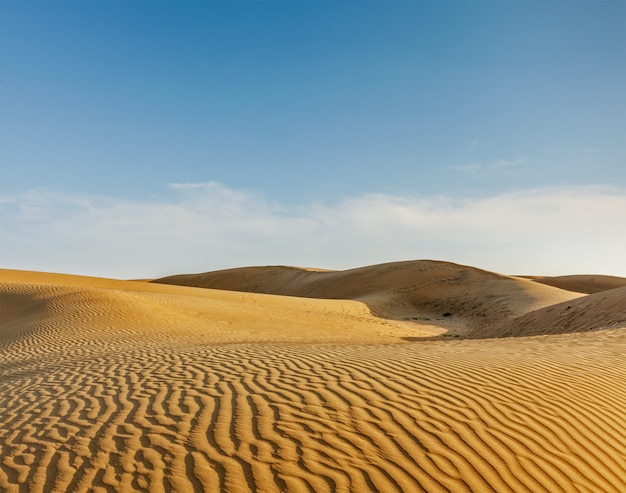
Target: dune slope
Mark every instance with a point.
(125, 386)
(473, 300)
(587, 284)
(601, 310)
(119, 308)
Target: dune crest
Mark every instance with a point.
(110, 385)
(587, 284)
(601, 310)
(462, 300)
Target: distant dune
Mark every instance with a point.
(583, 284)
(472, 300)
(601, 310)
(409, 376)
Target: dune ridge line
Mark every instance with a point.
(409, 376)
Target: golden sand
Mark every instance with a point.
(584, 283)
(412, 376)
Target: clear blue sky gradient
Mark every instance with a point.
(144, 138)
(312, 100)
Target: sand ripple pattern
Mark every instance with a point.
(520, 415)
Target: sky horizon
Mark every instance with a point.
(140, 139)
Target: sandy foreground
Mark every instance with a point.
(411, 376)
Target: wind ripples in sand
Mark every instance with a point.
(508, 415)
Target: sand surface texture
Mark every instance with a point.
(411, 376)
(584, 284)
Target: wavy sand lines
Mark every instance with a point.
(124, 386)
(458, 416)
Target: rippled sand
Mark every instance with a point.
(130, 386)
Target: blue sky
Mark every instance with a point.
(241, 114)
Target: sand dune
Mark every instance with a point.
(473, 300)
(110, 385)
(583, 283)
(601, 310)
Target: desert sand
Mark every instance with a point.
(409, 376)
(587, 284)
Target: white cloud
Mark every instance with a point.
(210, 226)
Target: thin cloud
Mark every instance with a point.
(211, 226)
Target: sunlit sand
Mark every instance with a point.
(410, 376)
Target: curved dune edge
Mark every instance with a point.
(122, 309)
(461, 300)
(601, 310)
(588, 284)
(127, 386)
